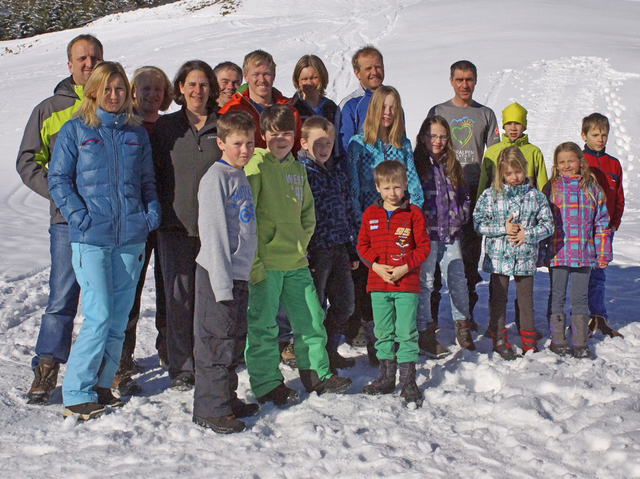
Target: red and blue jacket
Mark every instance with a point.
(608, 172)
(394, 239)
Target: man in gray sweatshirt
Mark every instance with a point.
(473, 128)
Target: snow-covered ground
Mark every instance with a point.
(538, 416)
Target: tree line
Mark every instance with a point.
(25, 18)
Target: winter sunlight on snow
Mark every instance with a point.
(539, 416)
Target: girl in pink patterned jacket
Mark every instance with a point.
(581, 241)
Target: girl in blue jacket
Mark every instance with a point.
(514, 217)
(382, 138)
(101, 177)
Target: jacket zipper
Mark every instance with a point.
(115, 155)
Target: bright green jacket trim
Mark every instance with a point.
(536, 169)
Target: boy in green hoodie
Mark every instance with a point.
(514, 123)
(285, 219)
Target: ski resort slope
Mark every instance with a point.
(538, 416)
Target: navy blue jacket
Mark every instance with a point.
(332, 201)
(102, 180)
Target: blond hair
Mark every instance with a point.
(509, 157)
(255, 58)
(587, 179)
(374, 116)
(94, 93)
(388, 171)
(166, 83)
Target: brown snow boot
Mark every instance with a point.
(44, 382)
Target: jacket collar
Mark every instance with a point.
(110, 120)
(404, 206)
(595, 153)
(305, 158)
(511, 191)
(523, 140)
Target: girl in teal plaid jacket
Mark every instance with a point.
(514, 217)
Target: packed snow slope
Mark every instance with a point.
(538, 416)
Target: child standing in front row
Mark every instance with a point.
(393, 243)
(382, 138)
(514, 217)
(581, 241)
(227, 226)
(332, 249)
(446, 207)
(285, 220)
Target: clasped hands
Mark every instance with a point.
(515, 232)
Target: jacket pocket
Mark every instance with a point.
(287, 242)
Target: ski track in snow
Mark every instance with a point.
(538, 416)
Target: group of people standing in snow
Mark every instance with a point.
(274, 218)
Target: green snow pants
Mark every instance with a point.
(394, 319)
(297, 294)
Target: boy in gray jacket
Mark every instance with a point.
(227, 226)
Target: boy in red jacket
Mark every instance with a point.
(393, 243)
(608, 172)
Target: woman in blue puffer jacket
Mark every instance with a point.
(101, 177)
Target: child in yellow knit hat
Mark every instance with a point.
(514, 123)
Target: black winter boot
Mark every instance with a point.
(371, 343)
(332, 384)
(429, 345)
(336, 360)
(409, 389)
(386, 381)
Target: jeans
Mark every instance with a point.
(108, 276)
(597, 304)
(579, 289)
(449, 257)
(56, 327)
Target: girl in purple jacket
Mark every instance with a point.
(581, 241)
(446, 209)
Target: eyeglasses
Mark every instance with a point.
(434, 138)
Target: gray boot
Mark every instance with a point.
(386, 381)
(409, 389)
(559, 345)
(580, 333)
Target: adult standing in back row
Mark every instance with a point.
(368, 67)
(473, 128)
(56, 328)
(184, 146)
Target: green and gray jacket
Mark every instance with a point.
(40, 136)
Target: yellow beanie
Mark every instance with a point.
(515, 112)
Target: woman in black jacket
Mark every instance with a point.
(184, 147)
